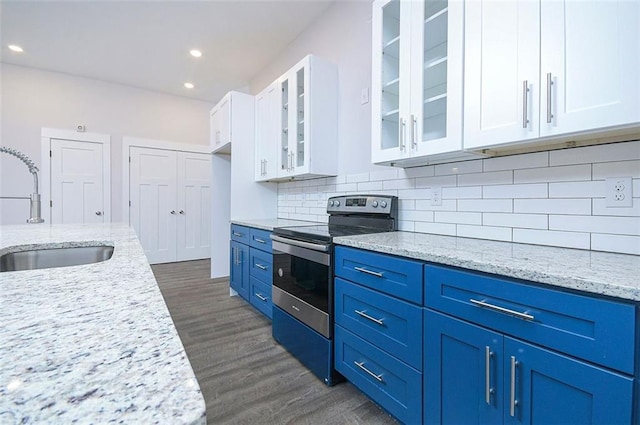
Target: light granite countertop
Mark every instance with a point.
(270, 224)
(92, 343)
(615, 275)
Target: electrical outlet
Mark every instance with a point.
(436, 196)
(619, 192)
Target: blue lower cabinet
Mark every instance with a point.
(260, 296)
(474, 375)
(239, 266)
(394, 385)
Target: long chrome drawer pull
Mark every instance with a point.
(512, 394)
(238, 234)
(261, 297)
(361, 366)
(360, 269)
(259, 240)
(261, 267)
(524, 316)
(366, 316)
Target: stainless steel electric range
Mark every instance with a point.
(303, 273)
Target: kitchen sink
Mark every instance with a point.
(46, 258)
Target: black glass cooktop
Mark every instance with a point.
(323, 232)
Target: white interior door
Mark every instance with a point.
(153, 211)
(194, 203)
(77, 185)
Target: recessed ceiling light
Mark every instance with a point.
(196, 53)
(15, 48)
(188, 85)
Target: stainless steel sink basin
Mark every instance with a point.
(46, 258)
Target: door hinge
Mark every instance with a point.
(129, 160)
(50, 204)
(50, 154)
(129, 203)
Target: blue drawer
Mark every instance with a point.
(261, 265)
(391, 383)
(260, 296)
(395, 276)
(240, 234)
(388, 323)
(260, 239)
(594, 329)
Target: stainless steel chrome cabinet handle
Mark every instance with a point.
(403, 134)
(173, 212)
(517, 314)
(487, 374)
(361, 366)
(366, 316)
(362, 270)
(259, 240)
(98, 212)
(261, 267)
(512, 394)
(414, 132)
(525, 103)
(238, 234)
(549, 84)
(235, 256)
(182, 212)
(261, 297)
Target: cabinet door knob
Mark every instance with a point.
(173, 212)
(182, 212)
(98, 212)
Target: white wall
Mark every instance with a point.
(33, 99)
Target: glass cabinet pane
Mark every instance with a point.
(390, 99)
(300, 118)
(434, 113)
(284, 114)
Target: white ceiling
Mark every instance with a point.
(146, 43)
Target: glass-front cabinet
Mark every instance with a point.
(417, 79)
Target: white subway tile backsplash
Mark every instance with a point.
(616, 243)
(464, 167)
(484, 232)
(594, 154)
(590, 189)
(390, 174)
(441, 181)
(534, 190)
(468, 192)
(515, 162)
(553, 174)
(427, 171)
(458, 217)
(550, 198)
(369, 186)
(552, 238)
(436, 228)
(616, 169)
(525, 221)
(552, 206)
(592, 224)
(495, 177)
(485, 205)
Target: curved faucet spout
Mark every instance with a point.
(34, 199)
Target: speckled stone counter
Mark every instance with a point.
(92, 343)
(270, 224)
(616, 275)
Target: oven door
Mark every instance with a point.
(302, 281)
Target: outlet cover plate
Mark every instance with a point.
(619, 192)
(436, 196)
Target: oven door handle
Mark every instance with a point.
(301, 244)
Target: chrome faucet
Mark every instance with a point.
(34, 199)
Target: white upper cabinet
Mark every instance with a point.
(544, 69)
(297, 123)
(308, 120)
(417, 79)
(267, 133)
(220, 125)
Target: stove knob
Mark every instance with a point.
(330, 203)
(383, 204)
(337, 203)
(374, 204)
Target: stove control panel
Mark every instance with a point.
(367, 204)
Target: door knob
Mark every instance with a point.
(173, 212)
(98, 212)
(182, 212)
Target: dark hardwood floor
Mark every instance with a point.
(245, 376)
